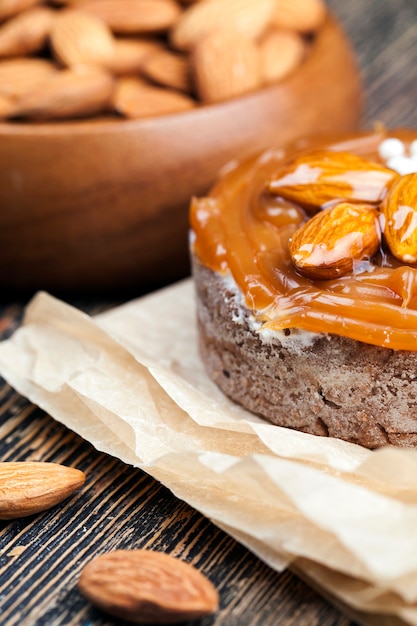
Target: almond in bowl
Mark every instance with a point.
(119, 118)
(309, 318)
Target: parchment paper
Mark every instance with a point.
(130, 381)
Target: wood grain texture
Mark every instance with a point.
(41, 557)
(120, 507)
(383, 34)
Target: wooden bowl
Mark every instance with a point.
(103, 204)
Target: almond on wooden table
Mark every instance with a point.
(135, 16)
(281, 53)
(134, 98)
(148, 586)
(69, 93)
(225, 64)
(30, 487)
(78, 38)
(248, 17)
(26, 33)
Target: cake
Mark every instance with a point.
(305, 269)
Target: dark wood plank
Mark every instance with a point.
(120, 507)
(383, 34)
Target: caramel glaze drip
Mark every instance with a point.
(242, 229)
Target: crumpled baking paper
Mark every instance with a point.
(130, 381)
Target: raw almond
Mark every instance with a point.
(72, 4)
(30, 487)
(399, 222)
(133, 98)
(68, 94)
(66, 2)
(169, 69)
(248, 17)
(7, 107)
(304, 16)
(319, 177)
(225, 65)
(10, 8)
(135, 16)
(327, 245)
(26, 33)
(281, 53)
(78, 38)
(20, 76)
(145, 586)
(130, 54)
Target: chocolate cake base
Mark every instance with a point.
(321, 384)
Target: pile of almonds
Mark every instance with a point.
(62, 59)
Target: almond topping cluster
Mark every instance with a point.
(64, 59)
(354, 205)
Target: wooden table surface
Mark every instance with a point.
(41, 556)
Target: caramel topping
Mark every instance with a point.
(242, 228)
(316, 178)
